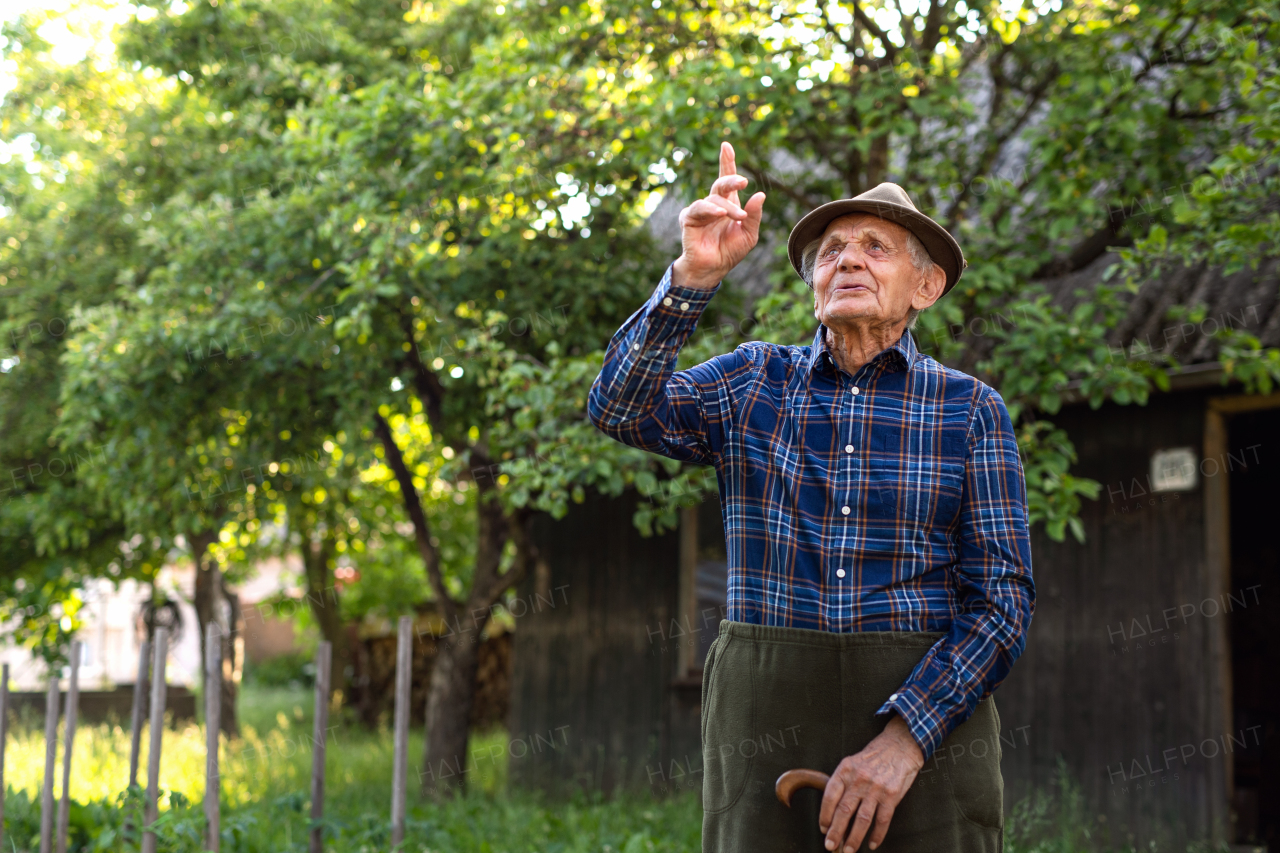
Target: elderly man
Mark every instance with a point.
(874, 507)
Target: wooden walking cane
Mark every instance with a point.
(793, 780)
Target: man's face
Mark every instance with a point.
(864, 275)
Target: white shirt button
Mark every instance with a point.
(666, 300)
(635, 346)
(844, 510)
(893, 698)
(684, 306)
(856, 392)
(848, 448)
(839, 573)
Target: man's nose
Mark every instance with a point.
(850, 259)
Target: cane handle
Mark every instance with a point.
(793, 780)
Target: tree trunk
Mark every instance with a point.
(453, 676)
(322, 596)
(452, 690)
(449, 701)
(878, 161)
(215, 604)
(232, 657)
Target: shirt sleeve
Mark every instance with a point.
(997, 594)
(642, 401)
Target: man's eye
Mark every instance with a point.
(876, 245)
(830, 251)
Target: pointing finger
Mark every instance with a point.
(727, 164)
(728, 168)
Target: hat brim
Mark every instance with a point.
(938, 242)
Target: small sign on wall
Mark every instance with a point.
(1173, 470)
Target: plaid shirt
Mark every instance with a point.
(890, 500)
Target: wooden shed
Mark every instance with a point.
(1152, 661)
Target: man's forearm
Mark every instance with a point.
(643, 352)
(636, 399)
(945, 687)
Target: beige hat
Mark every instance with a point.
(887, 201)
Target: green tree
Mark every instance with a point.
(64, 235)
(393, 245)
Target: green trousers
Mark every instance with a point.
(774, 699)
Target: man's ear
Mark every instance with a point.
(930, 289)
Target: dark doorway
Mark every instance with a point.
(1253, 464)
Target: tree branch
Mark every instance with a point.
(1178, 115)
(413, 506)
(1001, 139)
(831, 28)
(890, 49)
(1086, 251)
(767, 182)
(908, 28)
(933, 27)
(425, 383)
(487, 584)
(527, 555)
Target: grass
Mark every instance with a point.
(266, 785)
(266, 792)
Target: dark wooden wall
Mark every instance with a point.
(598, 668)
(1106, 681)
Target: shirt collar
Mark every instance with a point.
(901, 354)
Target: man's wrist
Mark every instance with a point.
(682, 276)
(898, 729)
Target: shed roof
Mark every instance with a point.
(1248, 300)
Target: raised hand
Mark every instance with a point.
(716, 232)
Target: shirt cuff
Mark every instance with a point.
(918, 711)
(673, 305)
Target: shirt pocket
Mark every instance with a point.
(921, 490)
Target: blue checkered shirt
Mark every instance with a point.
(889, 500)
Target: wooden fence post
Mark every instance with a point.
(324, 662)
(50, 759)
(400, 760)
(139, 707)
(4, 737)
(213, 726)
(69, 736)
(152, 809)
